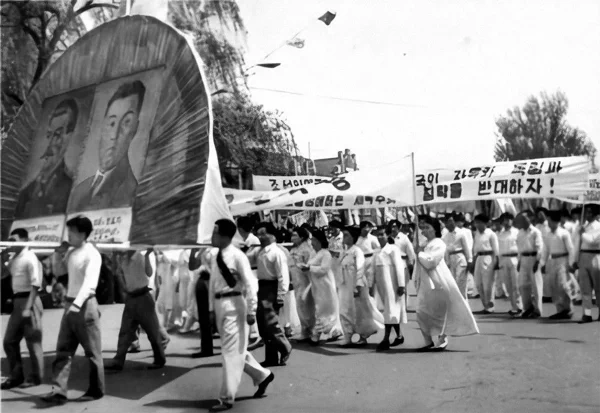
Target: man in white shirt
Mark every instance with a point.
(458, 254)
(250, 246)
(80, 323)
(485, 251)
(462, 226)
(273, 285)
(541, 215)
(231, 279)
(509, 261)
(139, 310)
(587, 257)
(369, 245)
(530, 244)
(25, 320)
(558, 258)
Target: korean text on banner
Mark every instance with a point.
(591, 194)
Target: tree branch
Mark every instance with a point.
(91, 5)
(32, 33)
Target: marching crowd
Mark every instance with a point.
(331, 285)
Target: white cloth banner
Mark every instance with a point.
(391, 185)
(281, 183)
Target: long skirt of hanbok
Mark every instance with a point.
(288, 315)
(358, 315)
(394, 307)
(326, 304)
(305, 304)
(441, 308)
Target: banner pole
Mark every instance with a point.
(414, 184)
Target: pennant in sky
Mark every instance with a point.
(296, 42)
(327, 18)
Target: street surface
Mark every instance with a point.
(512, 366)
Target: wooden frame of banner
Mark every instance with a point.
(416, 240)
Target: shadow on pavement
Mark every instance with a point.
(326, 350)
(197, 404)
(416, 350)
(208, 366)
(139, 381)
(548, 338)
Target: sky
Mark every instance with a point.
(448, 70)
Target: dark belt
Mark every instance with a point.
(139, 292)
(405, 257)
(254, 268)
(513, 255)
(562, 255)
(484, 253)
(268, 281)
(456, 252)
(590, 251)
(368, 255)
(71, 299)
(529, 254)
(218, 296)
(21, 295)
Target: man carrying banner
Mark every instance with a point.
(530, 245)
(459, 255)
(273, 285)
(231, 278)
(369, 245)
(80, 323)
(485, 250)
(26, 317)
(509, 260)
(588, 260)
(139, 310)
(558, 258)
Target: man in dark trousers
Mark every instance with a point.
(273, 285)
(206, 340)
(80, 323)
(26, 318)
(139, 311)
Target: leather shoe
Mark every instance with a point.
(55, 398)
(201, 355)
(221, 407)
(10, 384)
(267, 364)
(89, 396)
(563, 315)
(513, 313)
(262, 387)
(586, 319)
(426, 348)
(383, 346)
(155, 366)
(398, 341)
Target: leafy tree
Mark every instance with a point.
(540, 130)
(34, 34)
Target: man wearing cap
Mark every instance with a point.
(369, 245)
(485, 251)
(558, 258)
(508, 262)
(459, 255)
(232, 304)
(273, 285)
(530, 244)
(587, 257)
(25, 320)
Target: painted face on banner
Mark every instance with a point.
(58, 140)
(119, 129)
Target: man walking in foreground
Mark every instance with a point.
(231, 278)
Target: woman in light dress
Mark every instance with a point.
(323, 291)
(357, 311)
(300, 254)
(442, 311)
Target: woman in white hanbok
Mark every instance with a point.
(300, 254)
(442, 311)
(357, 311)
(322, 288)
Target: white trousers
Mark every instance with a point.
(230, 313)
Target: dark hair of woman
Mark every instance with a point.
(434, 222)
(321, 237)
(302, 233)
(354, 233)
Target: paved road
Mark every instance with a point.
(512, 366)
